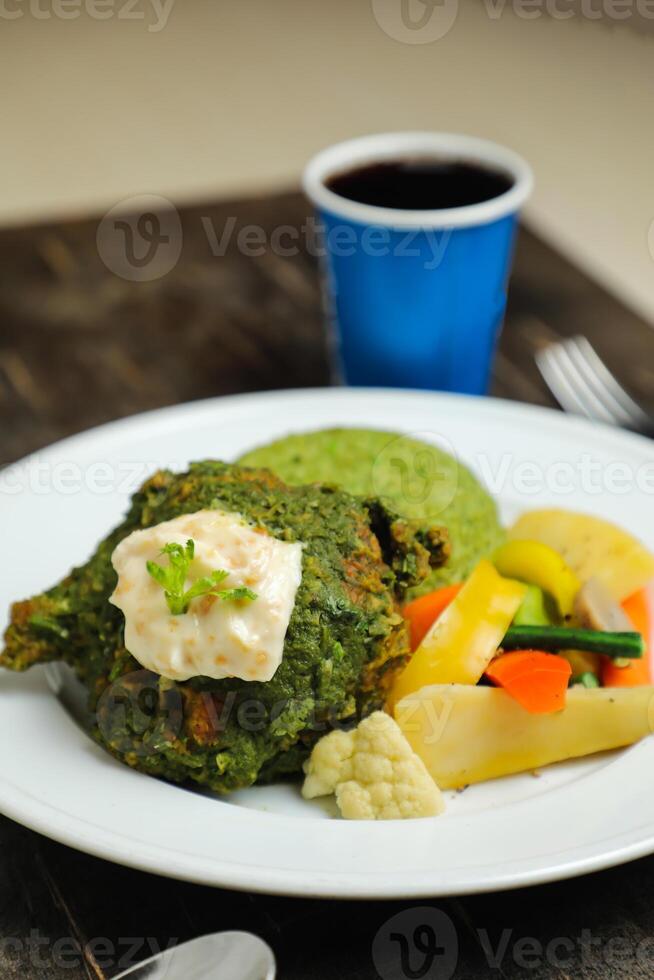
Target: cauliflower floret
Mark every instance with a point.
(330, 760)
(374, 773)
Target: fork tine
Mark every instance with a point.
(556, 381)
(557, 378)
(594, 368)
(594, 384)
(578, 388)
(581, 383)
(596, 406)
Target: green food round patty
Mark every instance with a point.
(417, 479)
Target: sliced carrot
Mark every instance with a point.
(536, 680)
(422, 613)
(638, 672)
(636, 607)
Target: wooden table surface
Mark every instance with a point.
(79, 345)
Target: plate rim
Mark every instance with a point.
(501, 405)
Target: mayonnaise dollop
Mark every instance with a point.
(215, 638)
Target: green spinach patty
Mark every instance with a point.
(345, 640)
(419, 481)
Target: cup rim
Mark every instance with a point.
(378, 147)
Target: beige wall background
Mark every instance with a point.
(233, 96)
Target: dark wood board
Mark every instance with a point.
(79, 346)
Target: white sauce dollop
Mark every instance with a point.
(215, 638)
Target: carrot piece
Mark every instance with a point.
(538, 681)
(422, 613)
(636, 606)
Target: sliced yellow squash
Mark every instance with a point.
(464, 639)
(592, 547)
(538, 564)
(469, 734)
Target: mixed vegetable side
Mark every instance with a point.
(539, 656)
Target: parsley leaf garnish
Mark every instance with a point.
(172, 579)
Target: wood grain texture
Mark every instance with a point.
(80, 346)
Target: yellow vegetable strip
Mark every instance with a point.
(470, 734)
(592, 547)
(464, 639)
(538, 564)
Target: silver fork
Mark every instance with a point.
(582, 384)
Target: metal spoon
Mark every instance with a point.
(221, 956)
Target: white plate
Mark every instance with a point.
(574, 818)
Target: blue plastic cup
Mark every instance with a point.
(416, 298)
